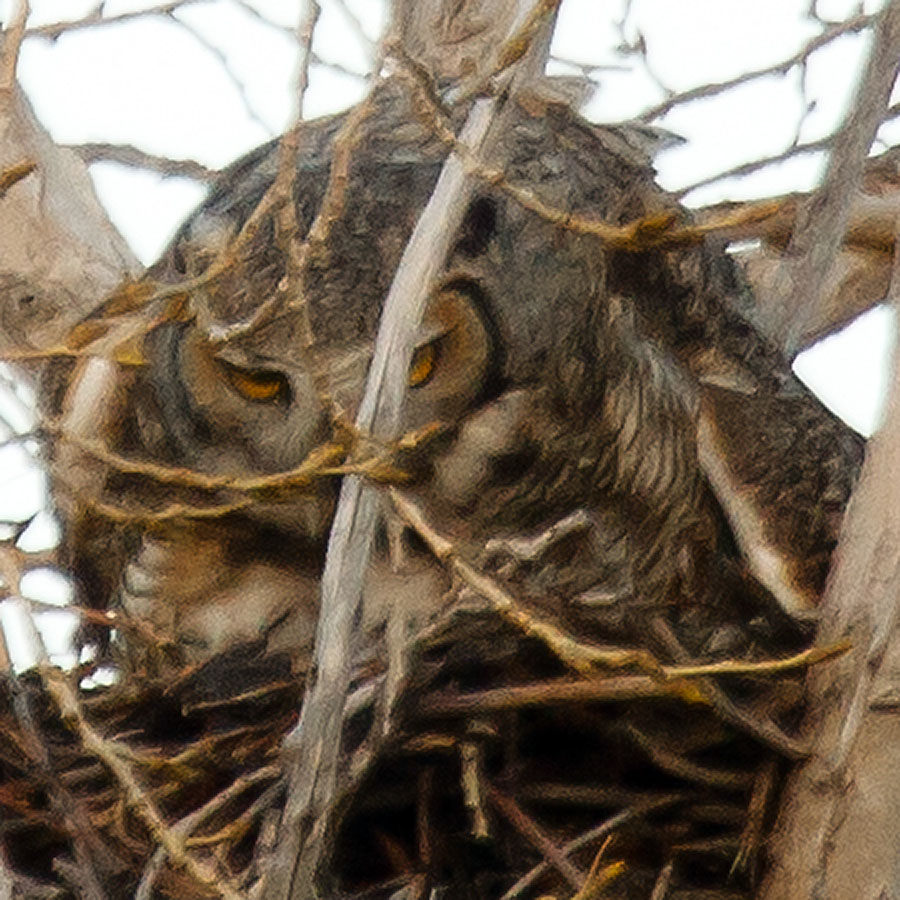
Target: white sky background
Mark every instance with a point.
(162, 86)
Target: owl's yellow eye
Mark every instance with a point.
(422, 366)
(260, 385)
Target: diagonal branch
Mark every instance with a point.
(822, 223)
(313, 750)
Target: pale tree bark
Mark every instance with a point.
(836, 835)
(317, 790)
(59, 253)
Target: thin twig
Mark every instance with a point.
(763, 729)
(804, 659)
(817, 146)
(580, 657)
(758, 811)
(604, 829)
(96, 18)
(549, 693)
(224, 65)
(109, 753)
(129, 155)
(535, 835)
(184, 827)
(850, 26)
(677, 765)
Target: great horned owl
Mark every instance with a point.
(615, 437)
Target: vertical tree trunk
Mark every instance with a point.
(837, 833)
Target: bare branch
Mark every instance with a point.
(222, 59)
(311, 805)
(822, 223)
(96, 18)
(129, 155)
(12, 43)
(850, 26)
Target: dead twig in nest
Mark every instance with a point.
(549, 693)
(598, 832)
(183, 828)
(535, 835)
(136, 797)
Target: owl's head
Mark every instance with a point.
(509, 336)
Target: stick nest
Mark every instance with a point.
(498, 773)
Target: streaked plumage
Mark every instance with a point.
(622, 399)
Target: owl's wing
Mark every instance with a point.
(782, 468)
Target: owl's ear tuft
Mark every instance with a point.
(479, 226)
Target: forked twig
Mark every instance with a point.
(850, 26)
(184, 827)
(535, 835)
(136, 797)
(598, 832)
